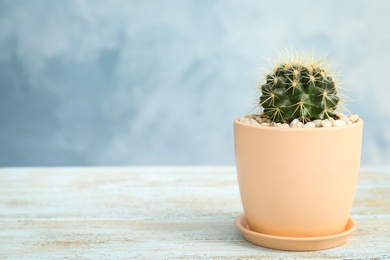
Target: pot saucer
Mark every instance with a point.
(294, 243)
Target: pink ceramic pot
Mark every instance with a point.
(297, 182)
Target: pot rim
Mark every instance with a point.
(285, 129)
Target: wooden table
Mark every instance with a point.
(157, 213)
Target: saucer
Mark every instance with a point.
(294, 243)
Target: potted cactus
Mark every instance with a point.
(298, 159)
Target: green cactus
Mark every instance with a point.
(300, 88)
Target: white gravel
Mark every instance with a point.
(340, 121)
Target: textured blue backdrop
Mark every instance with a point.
(160, 82)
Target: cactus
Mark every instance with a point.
(299, 87)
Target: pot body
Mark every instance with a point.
(297, 182)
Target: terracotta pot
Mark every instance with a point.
(297, 182)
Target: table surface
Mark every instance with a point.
(158, 213)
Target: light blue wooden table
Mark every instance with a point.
(158, 213)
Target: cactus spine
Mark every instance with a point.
(299, 87)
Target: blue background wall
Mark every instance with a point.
(160, 82)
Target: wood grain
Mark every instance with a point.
(158, 213)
